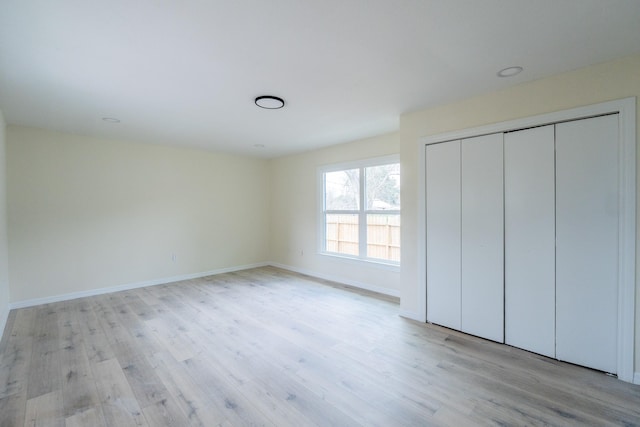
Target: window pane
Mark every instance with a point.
(383, 187)
(342, 234)
(383, 236)
(342, 190)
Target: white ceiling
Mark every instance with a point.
(185, 72)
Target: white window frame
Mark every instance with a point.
(362, 211)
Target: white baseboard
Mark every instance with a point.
(636, 378)
(4, 316)
(354, 283)
(162, 281)
(413, 316)
(126, 287)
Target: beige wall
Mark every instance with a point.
(88, 213)
(294, 212)
(599, 83)
(4, 255)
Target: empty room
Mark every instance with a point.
(319, 213)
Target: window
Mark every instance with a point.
(360, 215)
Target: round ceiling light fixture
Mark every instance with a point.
(269, 102)
(509, 71)
(111, 120)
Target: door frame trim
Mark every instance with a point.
(626, 108)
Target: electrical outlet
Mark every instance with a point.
(173, 257)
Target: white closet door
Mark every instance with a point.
(482, 237)
(529, 209)
(587, 242)
(443, 233)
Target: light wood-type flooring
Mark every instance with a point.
(269, 347)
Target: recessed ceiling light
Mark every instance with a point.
(509, 71)
(269, 102)
(111, 120)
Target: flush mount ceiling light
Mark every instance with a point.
(509, 71)
(269, 102)
(111, 120)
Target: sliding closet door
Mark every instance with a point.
(587, 242)
(482, 237)
(529, 221)
(443, 233)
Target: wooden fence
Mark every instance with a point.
(383, 235)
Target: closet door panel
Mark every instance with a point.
(482, 237)
(443, 233)
(529, 201)
(587, 242)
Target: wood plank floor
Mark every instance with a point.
(269, 347)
